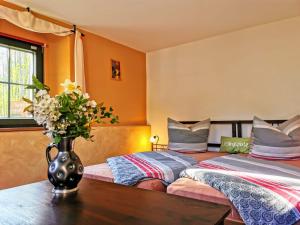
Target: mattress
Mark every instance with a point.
(194, 189)
(103, 172)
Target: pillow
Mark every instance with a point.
(188, 137)
(235, 145)
(282, 142)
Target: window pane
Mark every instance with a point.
(17, 105)
(3, 100)
(4, 54)
(21, 66)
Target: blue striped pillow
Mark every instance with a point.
(188, 138)
(281, 142)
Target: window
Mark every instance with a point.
(19, 61)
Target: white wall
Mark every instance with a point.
(254, 71)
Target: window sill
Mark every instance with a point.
(18, 129)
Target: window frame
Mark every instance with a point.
(39, 51)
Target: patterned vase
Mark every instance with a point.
(65, 169)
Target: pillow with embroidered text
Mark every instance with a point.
(235, 145)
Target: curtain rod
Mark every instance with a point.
(74, 26)
(74, 30)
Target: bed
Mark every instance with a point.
(103, 172)
(183, 186)
(218, 128)
(186, 187)
(194, 189)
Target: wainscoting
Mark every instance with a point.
(22, 153)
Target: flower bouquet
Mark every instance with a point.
(65, 117)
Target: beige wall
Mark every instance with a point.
(254, 71)
(23, 159)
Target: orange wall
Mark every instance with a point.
(128, 96)
(58, 64)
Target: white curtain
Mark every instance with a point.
(26, 20)
(79, 61)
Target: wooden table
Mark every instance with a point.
(100, 203)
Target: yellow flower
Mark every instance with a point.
(69, 86)
(87, 125)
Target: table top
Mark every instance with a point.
(99, 202)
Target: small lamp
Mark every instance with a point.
(154, 140)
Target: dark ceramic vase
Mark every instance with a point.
(65, 169)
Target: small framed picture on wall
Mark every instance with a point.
(115, 70)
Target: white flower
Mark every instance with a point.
(39, 119)
(69, 86)
(54, 116)
(47, 98)
(52, 107)
(41, 93)
(78, 91)
(86, 96)
(50, 126)
(93, 104)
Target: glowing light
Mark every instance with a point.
(154, 139)
(139, 140)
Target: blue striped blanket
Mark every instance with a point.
(163, 165)
(263, 192)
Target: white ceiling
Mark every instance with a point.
(149, 25)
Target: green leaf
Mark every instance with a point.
(107, 114)
(27, 100)
(70, 116)
(47, 88)
(30, 86)
(37, 83)
(57, 139)
(114, 120)
(28, 109)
